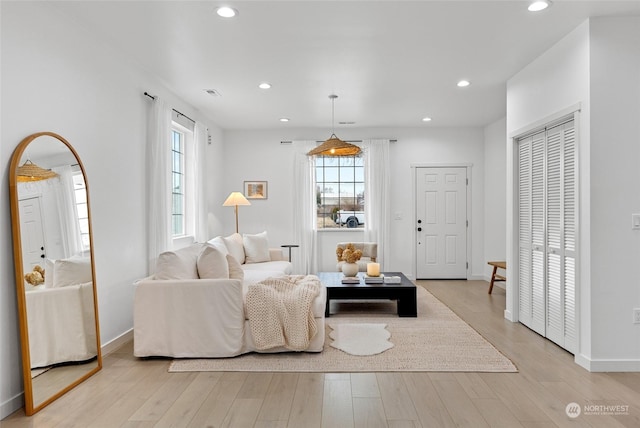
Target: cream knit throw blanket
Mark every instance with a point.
(279, 311)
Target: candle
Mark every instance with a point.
(373, 269)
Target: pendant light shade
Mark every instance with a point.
(29, 171)
(334, 146)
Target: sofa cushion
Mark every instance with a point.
(48, 272)
(252, 276)
(235, 270)
(256, 248)
(179, 264)
(71, 271)
(235, 246)
(218, 242)
(281, 266)
(212, 263)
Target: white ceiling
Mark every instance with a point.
(390, 62)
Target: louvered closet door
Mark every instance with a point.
(547, 233)
(531, 209)
(561, 198)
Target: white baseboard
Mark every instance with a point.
(116, 343)
(595, 365)
(11, 405)
(508, 315)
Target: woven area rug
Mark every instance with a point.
(437, 340)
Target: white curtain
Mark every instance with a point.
(158, 181)
(67, 211)
(376, 210)
(200, 144)
(304, 209)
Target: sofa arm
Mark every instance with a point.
(188, 318)
(276, 254)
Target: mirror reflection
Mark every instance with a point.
(54, 268)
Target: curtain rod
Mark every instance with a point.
(181, 114)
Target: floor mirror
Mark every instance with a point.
(54, 267)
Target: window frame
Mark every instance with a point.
(81, 206)
(330, 174)
(188, 182)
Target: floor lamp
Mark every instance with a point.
(235, 199)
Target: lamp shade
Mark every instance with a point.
(235, 199)
(29, 171)
(334, 146)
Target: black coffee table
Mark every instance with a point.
(404, 292)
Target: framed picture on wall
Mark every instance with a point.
(255, 189)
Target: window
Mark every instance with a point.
(340, 192)
(80, 194)
(178, 179)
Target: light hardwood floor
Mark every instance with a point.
(134, 393)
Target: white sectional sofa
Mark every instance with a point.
(194, 305)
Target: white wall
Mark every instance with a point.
(598, 66)
(553, 82)
(495, 189)
(57, 77)
(615, 174)
(262, 157)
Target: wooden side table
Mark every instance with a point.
(494, 276)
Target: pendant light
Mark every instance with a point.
(29, 171)
(334, 146)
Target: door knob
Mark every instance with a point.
(419, 221)
(42, 256)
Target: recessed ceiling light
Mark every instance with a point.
(226, 12)
(537, 6)
(426, 119)
(284, 119)
(350, 122)
(463, 83)
(264, 85)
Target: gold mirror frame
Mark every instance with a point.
(33, 405)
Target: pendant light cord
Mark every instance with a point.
(333, 99)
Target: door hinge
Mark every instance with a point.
(467, 181)
(467, 265)
(467, 223)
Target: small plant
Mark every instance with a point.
(348, 254)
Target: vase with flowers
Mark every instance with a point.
(350, 256)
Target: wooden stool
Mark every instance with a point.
(494, 276)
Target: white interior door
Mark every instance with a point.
(531, 232)
(441, 216)
(547, 232)
(32, 234)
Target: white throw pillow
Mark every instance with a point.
(256, 248)
(179, 264)
(71, 271)
(235, 270)
(212, 263)
(218, 242)
(235, 247)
